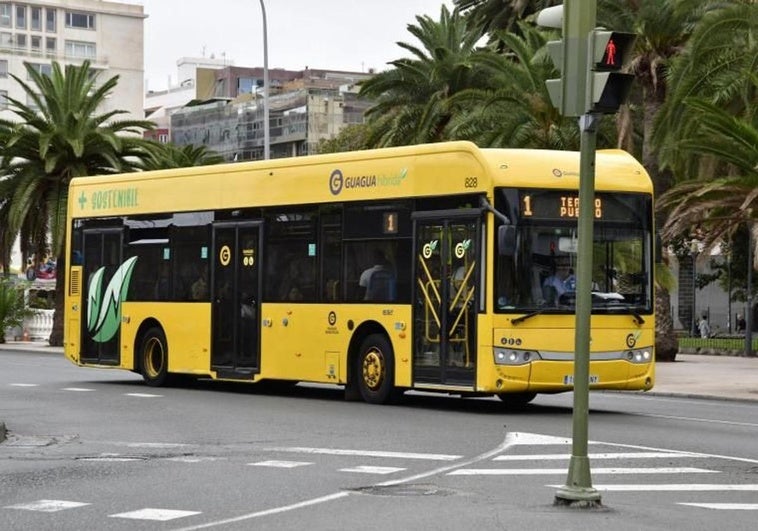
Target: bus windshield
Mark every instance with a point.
(538, 274)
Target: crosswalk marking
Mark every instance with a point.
(618, 455)
(663, 487)
(47, 506)
(725, 506)
(373, 469)
(364, 453)
(23, 385)
(280, 464)
(77, 389)
(143, 395)
(192, 459)
(161, 515)
(548, 471)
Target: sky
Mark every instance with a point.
(353, 35)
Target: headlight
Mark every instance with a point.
(641, 355)
(508, 356)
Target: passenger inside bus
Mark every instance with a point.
(379, 279)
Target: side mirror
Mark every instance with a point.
(506, 240)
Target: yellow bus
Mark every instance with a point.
(440, 267)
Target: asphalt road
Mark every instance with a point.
(96, 449)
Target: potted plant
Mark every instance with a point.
(12, 307)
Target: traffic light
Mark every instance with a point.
(569, 55)
(611, 51)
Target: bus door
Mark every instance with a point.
(446, 296)
(236, 299)
(106, 282)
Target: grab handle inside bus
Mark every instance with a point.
(506, 240)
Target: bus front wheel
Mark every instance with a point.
(154, 358)
(516, 400)
(375, 370)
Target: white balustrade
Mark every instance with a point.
(39, 326)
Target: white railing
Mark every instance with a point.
(39, 326)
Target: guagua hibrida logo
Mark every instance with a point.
(104, 307)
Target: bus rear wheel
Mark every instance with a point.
(154, 358)
(375, 370)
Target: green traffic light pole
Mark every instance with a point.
(578, 23)
(578, 490)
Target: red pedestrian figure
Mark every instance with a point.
(610, 53)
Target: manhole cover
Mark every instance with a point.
(404, 490)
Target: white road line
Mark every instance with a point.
(698, 419)
(160, 515)
(547, 471)
(77, 389)
(111, 459)
(663, 487)
(691, 454)
(280, 464)
(363, 453)
(338, 495)
(23, 385)
(47, 506)
(191, 459)
(365, 469)
(267, 512)
(156, 445)
(618, 455)
(143, 395)
(725, 506)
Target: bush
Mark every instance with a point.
(12, 307)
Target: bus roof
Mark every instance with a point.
(410, 171)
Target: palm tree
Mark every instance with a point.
(722, 204)
(497, 17)
(718, 65)
(165, 156)
(59, 136)
(414, 98)
(514, 108)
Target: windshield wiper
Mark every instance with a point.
(526, 316)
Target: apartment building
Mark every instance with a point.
(108, 34)
(305, 106)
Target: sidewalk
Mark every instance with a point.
(698, 375)
(691, 375)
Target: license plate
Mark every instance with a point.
(569, 379)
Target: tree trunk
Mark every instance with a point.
(56, 336)
(666, 345)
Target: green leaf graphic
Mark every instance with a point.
(108, 308)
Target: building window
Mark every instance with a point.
(50, 20)
(3, 68)
(5, 15)
(3, 99)
(51, 45)
(36, 44)
(31, 104)
(6, 39)
(20, 41)
(20, 17)
(45, 70)
(80, 20)
(36, 19)
(81, 49)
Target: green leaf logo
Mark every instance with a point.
(104, 308)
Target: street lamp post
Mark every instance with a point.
(694, 250)
(266, 133)
(749, 310)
